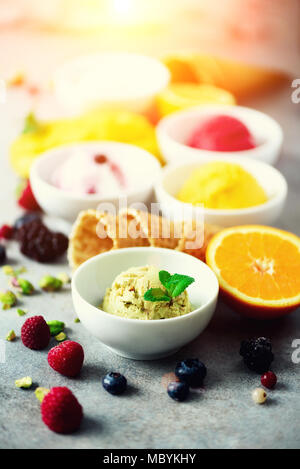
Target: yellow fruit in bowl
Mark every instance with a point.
(178, 96)
(120, 126)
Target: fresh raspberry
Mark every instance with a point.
(269, 380)
(35, 333)
(27, 199)
(39, 243)
(66, 358)
(61, 411)
(6, 232)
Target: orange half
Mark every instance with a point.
(258, 268)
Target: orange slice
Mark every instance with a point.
(258, 268)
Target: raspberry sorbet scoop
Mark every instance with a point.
(222, 133)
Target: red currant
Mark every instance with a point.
(269, 380)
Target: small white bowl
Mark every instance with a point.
(134, 338)
(67, 205)
(110, 79)
(270, 179)
(173, 131)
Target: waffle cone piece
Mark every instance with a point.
(96, 232)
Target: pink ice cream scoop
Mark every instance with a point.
(222, 133)
(82, 173)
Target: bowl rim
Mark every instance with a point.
(116, 252)
(166, 122)
(278, 197)
(165, 75)
(43, 157)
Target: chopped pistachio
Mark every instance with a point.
(11, 336)
(21, 312)
(61, 337)
(20, 270)
(41, 393)
(56, 327)
(76, 320)
(8, 270)
(26, 287)
(64, 277)
(49, 283)
(25, 382)
(8, 299)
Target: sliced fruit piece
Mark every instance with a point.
(179, 96)
(258, 268)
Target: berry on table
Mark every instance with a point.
(269, 380)
(178, 391)
(66, 358)
(6, 232)
(114, 383)
(191, 371)
(35, 333)
(61, 411)
(39, 243)
(259, 396)
(2, 254)
(27, 199)
(257, 354)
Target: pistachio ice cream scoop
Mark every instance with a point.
(126, 296)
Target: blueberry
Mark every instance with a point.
(2, 254)
(178, 391)
(191, 372)
(27, 218)
(114, 383)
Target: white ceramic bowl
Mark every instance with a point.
(270, 179)
(110, 79)
(134, 338)
(174, 130)
(67, 205)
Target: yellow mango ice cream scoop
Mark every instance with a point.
(119, 126)
(222, 185)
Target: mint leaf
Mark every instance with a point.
(156, 294)
(178, 283)
(164, 276)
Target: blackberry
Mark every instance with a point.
(39, 243)
(257, 354)
(27, 218)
